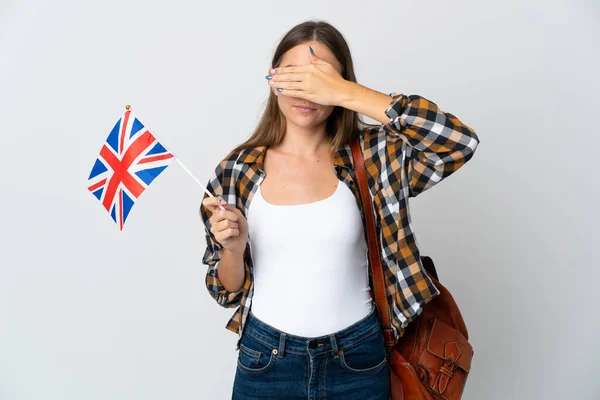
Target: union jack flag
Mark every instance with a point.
(128, 162)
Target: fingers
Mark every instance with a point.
(286, 85)
(222, 221)
(226, 234)
(223, 215)
(288, 78)
(223, 225)
(290, 69)
(212, 204)
(230, 211)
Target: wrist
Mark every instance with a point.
(350, 93)
(233, 253)
(366, 101)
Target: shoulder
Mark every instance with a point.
(233, 165)
(235, 159)
(230, 159)
(384, 153)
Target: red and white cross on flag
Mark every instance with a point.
(128, 163)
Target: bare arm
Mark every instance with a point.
(231, 270)
(366, 101)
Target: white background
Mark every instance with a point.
(88, 312)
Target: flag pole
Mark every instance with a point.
(128, 107)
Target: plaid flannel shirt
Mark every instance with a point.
(416, 149)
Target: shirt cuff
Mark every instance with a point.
(394, 111)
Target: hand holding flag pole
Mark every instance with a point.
(129, 161)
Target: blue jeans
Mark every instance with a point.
(347, 364)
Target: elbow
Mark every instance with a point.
(471, 139)
(471, 146)
(222, 296)
(462, 151)
(474, 141)
(227, 299)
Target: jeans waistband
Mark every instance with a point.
(335, 341)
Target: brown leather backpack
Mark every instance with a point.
(432, 359)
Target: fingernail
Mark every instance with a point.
(269, 77)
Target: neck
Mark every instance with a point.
(304, 142)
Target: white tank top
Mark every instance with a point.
(310, 264)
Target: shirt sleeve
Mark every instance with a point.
(434, 143)
(211, 256)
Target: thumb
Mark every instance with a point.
(222, 202)
(313, 58)
(227, 206)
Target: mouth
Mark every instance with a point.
(305, 108)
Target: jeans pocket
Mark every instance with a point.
(255, 356)
(366, 356)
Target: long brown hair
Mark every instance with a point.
(343, 124)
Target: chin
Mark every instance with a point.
(305, 122)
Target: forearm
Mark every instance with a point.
(231, 271)
(366, 101)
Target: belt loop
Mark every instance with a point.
(282, 337)
(334, 347)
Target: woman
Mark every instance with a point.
(289, 249)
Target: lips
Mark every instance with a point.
(305, 107)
